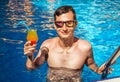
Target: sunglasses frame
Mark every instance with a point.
(65, 22)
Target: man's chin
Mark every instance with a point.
(65, 37)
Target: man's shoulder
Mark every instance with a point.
(84, 44)
(49, 42)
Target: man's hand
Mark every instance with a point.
(29, 49)
(101, 69)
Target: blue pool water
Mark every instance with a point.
(99, 23)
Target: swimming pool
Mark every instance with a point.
(99, 23)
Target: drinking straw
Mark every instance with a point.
(23, 22)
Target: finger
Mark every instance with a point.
(109, 72)
(113, 62)
(27, 43)
(28, 53)
(111, 69)
(31, 49)
(34, 45)
(29, 46)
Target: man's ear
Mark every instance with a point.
(76, 23)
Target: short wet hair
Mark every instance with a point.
(64, 9)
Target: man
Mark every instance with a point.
(65, 54)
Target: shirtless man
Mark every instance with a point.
(65, 54)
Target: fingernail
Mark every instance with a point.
(25, 53)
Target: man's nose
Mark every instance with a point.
(64, 27)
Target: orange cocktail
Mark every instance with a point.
(32, 36)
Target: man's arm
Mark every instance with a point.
(91, 63)
(29, 63)
(43, 55)
(87, 51)
(32, 63)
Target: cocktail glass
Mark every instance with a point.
(32, 36)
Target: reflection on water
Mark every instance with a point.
(11, 41)
(23, 10)
(99, 22)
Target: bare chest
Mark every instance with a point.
(66, 58)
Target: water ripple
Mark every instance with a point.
(11, 41)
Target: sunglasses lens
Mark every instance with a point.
(59, 24)
(70, 23)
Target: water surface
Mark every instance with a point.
(99, 23)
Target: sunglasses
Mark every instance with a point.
(70, 23)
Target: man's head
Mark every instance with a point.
(65, 21)
(63, 10)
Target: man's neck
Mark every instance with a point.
(65, 42)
